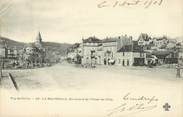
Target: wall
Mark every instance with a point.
(126, 56)
(2, 52)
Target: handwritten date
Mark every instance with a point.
(123, 3)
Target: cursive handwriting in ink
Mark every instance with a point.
(129, 109)
(140, 98)
(133, 104)
(122, 3)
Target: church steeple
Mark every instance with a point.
(39, 38)
(38, 42)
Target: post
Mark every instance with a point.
(1, 74)
(13, 81)
(1, 68)
(179, 66)
(178, 71)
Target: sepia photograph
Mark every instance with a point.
(91, 58)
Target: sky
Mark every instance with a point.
(68, 21)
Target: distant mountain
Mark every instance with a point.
(57, 48)
(11, 43)
(52, 47)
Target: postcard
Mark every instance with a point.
(91, 58)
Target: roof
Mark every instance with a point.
(92, 40)
(144, 36)
(161, 54)
(161, 38)
(109, 40)
(131, 48)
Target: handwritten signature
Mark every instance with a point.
(133, 105)
(122, 3)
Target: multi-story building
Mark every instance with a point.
(112, 45)
(91, 51)
(130, 55)
(109, 51)
(117, 50)
(7, 52)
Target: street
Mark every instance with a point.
(68, 76)
(111, 83)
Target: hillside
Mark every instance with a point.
(59, 48)
(52, 47)
(11, 43)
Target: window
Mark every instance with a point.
(123, 63)
(123, 53)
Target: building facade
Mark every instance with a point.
(91, 51)
(131, 55)
(110, 51)
(160, 43)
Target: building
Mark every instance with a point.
(74, 52)
(38, 43)
(3, 50)
(121, 50)
(112, 45)
(130, 55)
(160, 43)
(144, 40)
(9, 56)
(180, 54)
(12, 53)
(34, 53)
(7, 52)
(92, 51)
